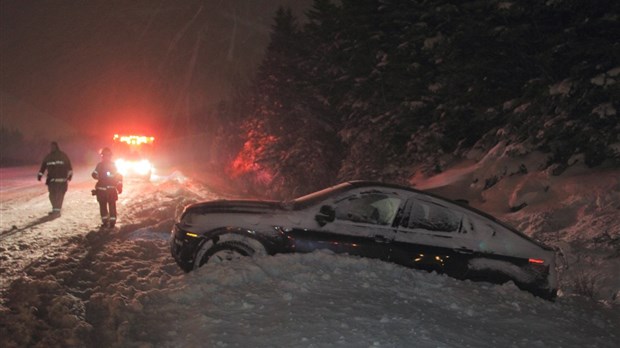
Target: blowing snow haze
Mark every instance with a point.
(90, 65)
(510, 107)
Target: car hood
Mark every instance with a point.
(235, 206)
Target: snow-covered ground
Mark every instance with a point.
(64, 282)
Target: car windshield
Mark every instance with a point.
(318, 196)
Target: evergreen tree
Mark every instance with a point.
(373, 89)
(291, 143)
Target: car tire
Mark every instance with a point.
(227, 251)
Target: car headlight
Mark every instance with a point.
(122, 166)
(143, 167)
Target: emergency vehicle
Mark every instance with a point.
(133, 155)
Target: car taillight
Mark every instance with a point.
(538, 266)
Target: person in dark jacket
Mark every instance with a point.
(109, 185)
(59, 173)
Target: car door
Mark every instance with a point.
(362, 225)
(433, 236)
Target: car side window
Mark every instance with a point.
(374, 208)
(431, 217)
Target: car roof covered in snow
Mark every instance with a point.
(315, 197)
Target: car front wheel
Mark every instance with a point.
(227, 251)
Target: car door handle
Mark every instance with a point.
(464, 251)
(381, 239)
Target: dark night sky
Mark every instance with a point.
(105, 66)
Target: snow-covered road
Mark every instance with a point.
(27, 233)
(65, 283)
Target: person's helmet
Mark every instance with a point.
(105, 152)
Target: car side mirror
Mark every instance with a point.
(325, 215)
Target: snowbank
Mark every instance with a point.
(121, 288)
(132, 296)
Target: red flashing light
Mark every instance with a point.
(537, 261)
(133, 139)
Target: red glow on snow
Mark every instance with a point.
(246, 162)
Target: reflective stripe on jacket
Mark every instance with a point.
(57, 165)
(107, 175)
(57, 180)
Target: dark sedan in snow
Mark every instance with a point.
(388, 222)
